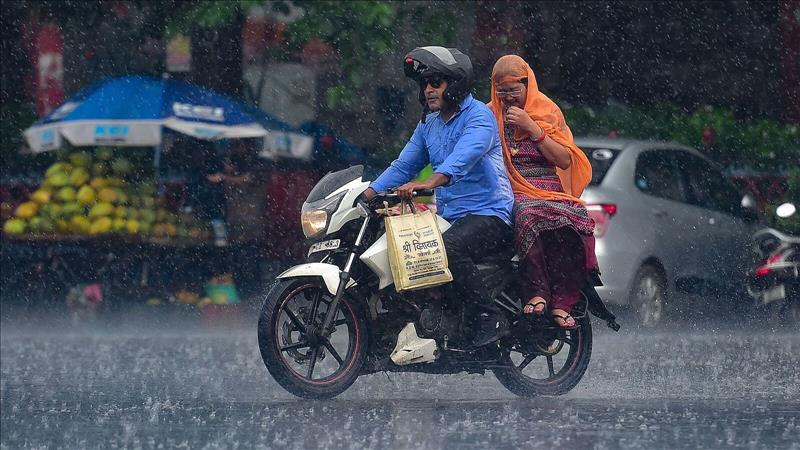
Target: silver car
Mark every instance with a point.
(668, 223)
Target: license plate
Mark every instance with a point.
(323, 246)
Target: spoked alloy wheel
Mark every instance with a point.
(551, 363)
(292, 346)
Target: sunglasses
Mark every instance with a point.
(434, 81)
(513, 94)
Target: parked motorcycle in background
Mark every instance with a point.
(775, 281)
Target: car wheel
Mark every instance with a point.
(649, 295)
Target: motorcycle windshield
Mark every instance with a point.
(333, 181)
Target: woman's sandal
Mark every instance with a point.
(530, 307)
(564, 318)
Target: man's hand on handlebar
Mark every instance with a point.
(409, 190)
(369, 194)
(406, 191)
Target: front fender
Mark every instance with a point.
(328, 272)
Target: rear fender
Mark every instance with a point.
(328, 272)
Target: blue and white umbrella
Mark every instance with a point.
(133, 111)
(283, 140)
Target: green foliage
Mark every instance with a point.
(358, 30)
(435, 22)
(362, 30)
(721, 120)
(338, 97)
(769, 142)
(205, 14)
(793, 185)
(760, 144)
(790, 225)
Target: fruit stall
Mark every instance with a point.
(95, 220)
(98, 222)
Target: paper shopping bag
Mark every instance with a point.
(416, 251)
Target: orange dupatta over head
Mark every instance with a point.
(548, 116)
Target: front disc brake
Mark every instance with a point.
(299, 355)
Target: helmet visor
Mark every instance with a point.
(413, 68)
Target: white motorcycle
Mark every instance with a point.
(326, 322)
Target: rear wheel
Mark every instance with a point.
(648, 296)
(296, 354)
(550, 363)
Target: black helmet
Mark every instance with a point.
(450, 63)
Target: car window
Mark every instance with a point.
(655, 175)
(601, 160)
(708, 187)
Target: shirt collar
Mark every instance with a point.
(461, 107)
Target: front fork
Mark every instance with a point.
(344, 278)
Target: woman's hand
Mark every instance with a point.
(519, 118)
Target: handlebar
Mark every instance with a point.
(420, 193)
(390, 198)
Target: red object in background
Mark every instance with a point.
(766, 266)
(613, 134)
(94, 293)
(121, 9)
(709, 136)
(766, 188)
(601, 214)
(327, 141)
(16, 193)
(47, 57)
(286, 192)
(762, 271)
(259, 32)
(316, 51)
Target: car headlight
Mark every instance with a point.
(315, 216)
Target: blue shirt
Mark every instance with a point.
(467, 149)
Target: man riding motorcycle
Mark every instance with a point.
(458, 136)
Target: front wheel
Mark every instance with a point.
(296, 354)
(550, 363)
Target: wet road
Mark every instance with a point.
(136, 382)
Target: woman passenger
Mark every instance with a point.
(553, 233)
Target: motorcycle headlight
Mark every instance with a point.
(314, 222)
(316, 215)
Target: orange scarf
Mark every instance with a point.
(548, 116)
